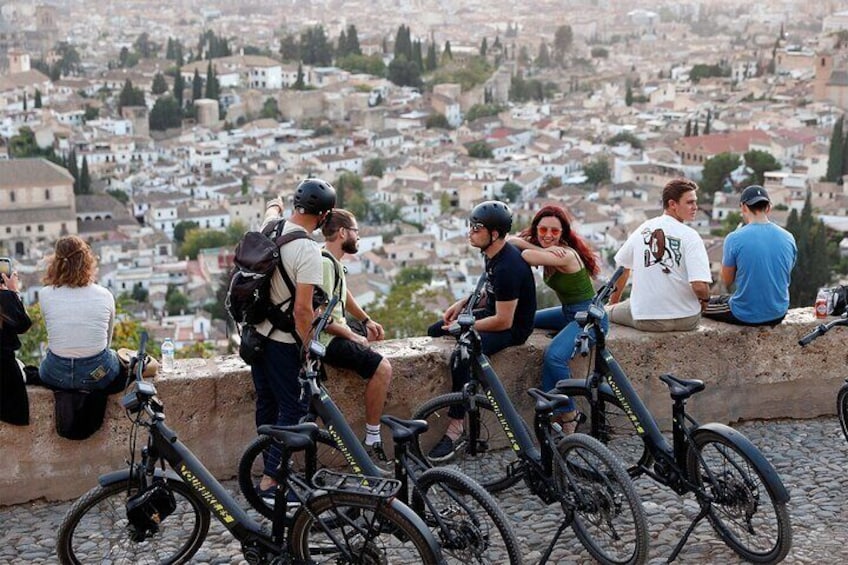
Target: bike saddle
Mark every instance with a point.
(296, 437)
(682, 389)
(404, 429)
(548, 402)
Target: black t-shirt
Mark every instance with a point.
(510, 277)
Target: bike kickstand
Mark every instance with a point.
(562, 527)
(705, 509)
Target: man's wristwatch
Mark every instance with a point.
(365, 321)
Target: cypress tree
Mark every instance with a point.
(85, 177)
(179, 87)
(688, 131)
(196, 86)
(835, 154)
(707, 123)
(432, 62)
(695, 129)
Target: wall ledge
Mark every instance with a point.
(751, 374)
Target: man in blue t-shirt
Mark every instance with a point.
(758, 257)
(506, 312)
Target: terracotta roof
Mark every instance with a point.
(27, 173)
(713, 144)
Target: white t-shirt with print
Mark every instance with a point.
(664, 256)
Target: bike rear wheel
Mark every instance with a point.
(842, 409)
(345, 527)
(608, 516)
(614, 427)
(489, 463)
(468, 522)
(252, 467)
(96, 528)
(744, 510)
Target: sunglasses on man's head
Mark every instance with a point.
(543, 230)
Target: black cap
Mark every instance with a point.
(754, 194)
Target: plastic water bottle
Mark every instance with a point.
(167, 355)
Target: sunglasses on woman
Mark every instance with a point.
(543, 230)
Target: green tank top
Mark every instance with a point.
(571, 288)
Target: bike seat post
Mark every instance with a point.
(678, 427)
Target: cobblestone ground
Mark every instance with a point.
(811, 457)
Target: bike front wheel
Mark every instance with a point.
(609, 424)
(594, 486)
(744, 509)
(345, 527)
(252, 467)
(96, 528)
(842, 409)
(468, 522)
(483, 451)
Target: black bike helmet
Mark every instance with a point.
(494, 215)
(315, 196)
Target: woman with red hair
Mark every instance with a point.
(568, 268)
(79, 315)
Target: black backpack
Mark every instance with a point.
(248, 299)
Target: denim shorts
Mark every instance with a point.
(84, 373)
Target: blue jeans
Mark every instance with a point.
(277, 391)
(558, 354)
(491, 343)
(84, 373)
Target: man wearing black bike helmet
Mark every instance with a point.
(276, 370)
(504, 316)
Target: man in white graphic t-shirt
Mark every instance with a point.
(669, 266)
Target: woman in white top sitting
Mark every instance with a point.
(79, 315)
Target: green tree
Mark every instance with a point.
(445, 204)
(728, 224)
(403, 72)
(175, 301)
(119, 195)
(289, 48)
(482, 111)
(270, 109)
(479, 150)
(716, 174)
(625, 137)
(602, 53)
(432, 60)
(298, 83)
(760, 162)
(37, 102)
(144, 47)
(403, 311)
(165, 114)
(315, 48)
(85, 178)
(374, 167)
(182, 227)
(412, 275)
(812, 268)
(371, 64)
(130, 96)
(446, 52)
(196, 86)
(511, 191)
(597, 172)
(708, 123)
(353, 47)
(688, 131)
(628, 95)
(346, 184)
(198, 239)
(563, 38)
(437, 120)
(543, 59)
(403, 43)
(179, 87)
(484, 47)
(160, 86)
(139, 293)
(213, 90)
(695, 128)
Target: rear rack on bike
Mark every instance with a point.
(333, 481)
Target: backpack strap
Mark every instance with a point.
(337, 281)
(278, 319)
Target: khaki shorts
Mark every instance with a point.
(620, 314)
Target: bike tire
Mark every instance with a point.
(740, 489)
(489, 466)
(608, 517)
(470, 527)
(96, 529)
(370, 529)
(842, 409)
(251, 467)
(615, 429)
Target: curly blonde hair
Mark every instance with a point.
(72, 264)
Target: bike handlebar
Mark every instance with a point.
(822, 329)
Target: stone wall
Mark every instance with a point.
(751, 373)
